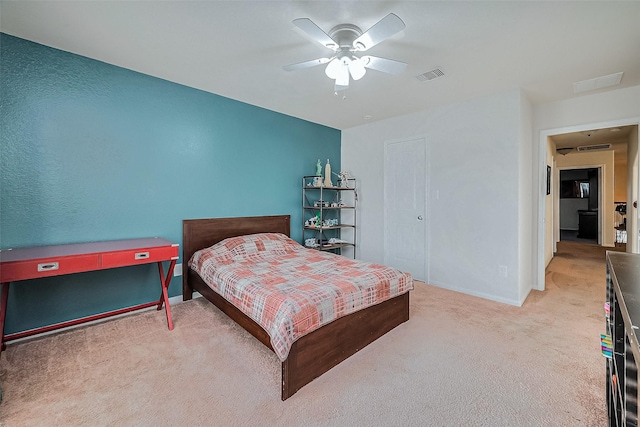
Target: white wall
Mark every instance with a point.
(525, 209)
(479, 203)
(603, 109)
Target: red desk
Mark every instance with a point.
(46, 261)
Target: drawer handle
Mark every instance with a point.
(49, 266)
(142, 255)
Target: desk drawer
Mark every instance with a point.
(47, 267)
(138, 256)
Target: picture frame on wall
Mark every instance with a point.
(548, 180)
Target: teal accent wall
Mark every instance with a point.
(90, 151)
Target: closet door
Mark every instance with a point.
(405, 216)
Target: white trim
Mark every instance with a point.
(484, 295)
(542, 181)
(172, 301)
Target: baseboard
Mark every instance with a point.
(482, 295)
(172, 301)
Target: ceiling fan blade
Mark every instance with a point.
(315, 32)
(306, 64)
(385, 65)
(382, 30)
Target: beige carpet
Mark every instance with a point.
(460, 360)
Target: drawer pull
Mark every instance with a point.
(49, 266)
(142, 255)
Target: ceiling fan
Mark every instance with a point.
(346, 40)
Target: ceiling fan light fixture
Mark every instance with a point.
(343, 77)
(356, 68)
(333, 68)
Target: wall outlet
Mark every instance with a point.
(503, 271)
(177, 270)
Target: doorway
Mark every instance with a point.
(621, 130)
(579, 205)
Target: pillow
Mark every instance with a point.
(253, 244)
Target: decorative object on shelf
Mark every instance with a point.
(335, 241)
(317, 181)
(327, 175)
(311, 243)
(343, 179)
(318, 168)
(606, 345)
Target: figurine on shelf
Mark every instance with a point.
(327, 175)
(318, 169)
(343, 180)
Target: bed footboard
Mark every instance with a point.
(316, 353)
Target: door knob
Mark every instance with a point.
(420, 218)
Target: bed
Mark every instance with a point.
(314, 353)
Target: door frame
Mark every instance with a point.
(542, 183)
(556, 218)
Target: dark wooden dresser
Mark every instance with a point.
(623, 319)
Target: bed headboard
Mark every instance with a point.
(201, 233)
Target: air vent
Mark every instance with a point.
(430, 75)
(597, 83)
(594, 147)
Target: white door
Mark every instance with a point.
(405, 219)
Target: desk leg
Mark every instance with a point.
(164, 298)
(4, 297)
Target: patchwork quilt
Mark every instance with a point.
(291, 290)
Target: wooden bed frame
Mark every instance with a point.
(313, 354)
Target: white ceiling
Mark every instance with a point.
(237, 48)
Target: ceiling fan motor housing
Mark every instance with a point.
(345, 35)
